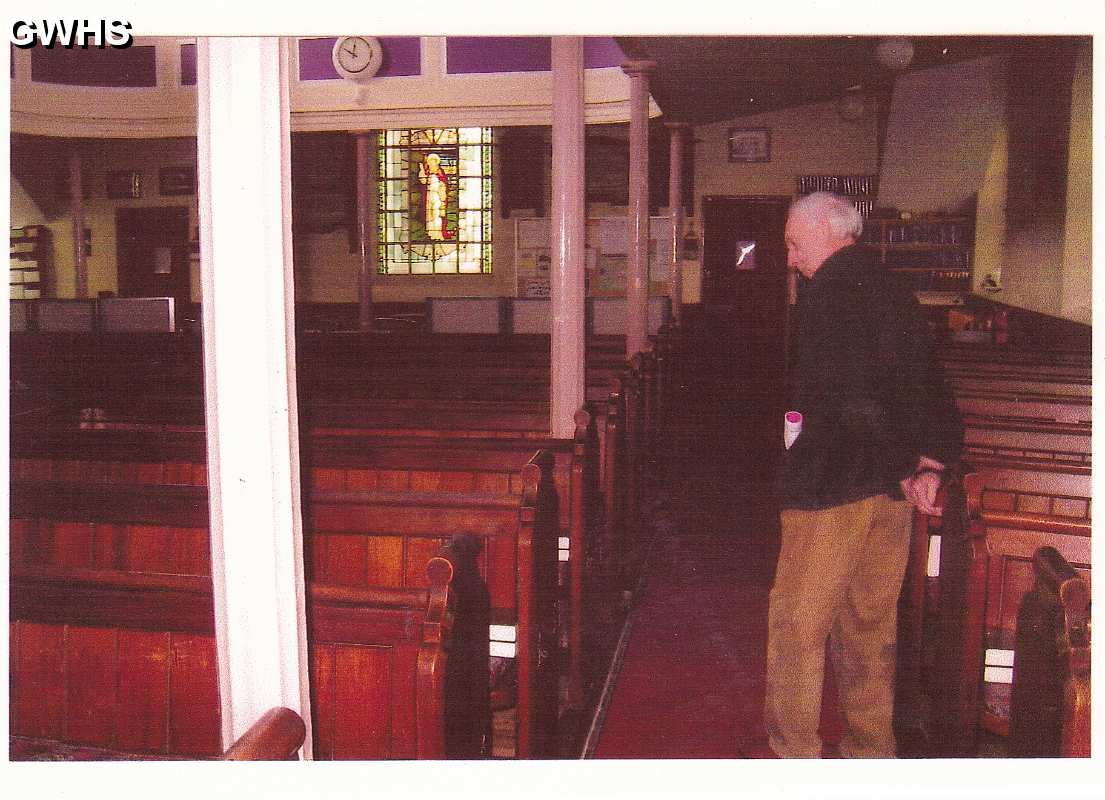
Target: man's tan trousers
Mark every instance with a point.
(839, 576)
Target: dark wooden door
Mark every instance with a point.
(152, 252)
(745, 282)
(745, 297)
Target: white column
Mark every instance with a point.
(568, 226)
(678, 133)
(366, 222)
(76, 204)
(249, 367)
(636, 288)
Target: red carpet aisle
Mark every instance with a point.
(690, 683)
(691, 680)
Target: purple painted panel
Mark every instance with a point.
(133, 66)
(402, 56)
(187, 65)
(600, 51)
(464, 54)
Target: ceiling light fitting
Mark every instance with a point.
(895, 52)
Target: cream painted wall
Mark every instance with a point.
(1052, 271)
(100, 157)
(23, 208)
(941, 131)
(1077, 276)
(810, 140)
(989, 250)
(326, 272)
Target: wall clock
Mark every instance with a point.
(357, 58)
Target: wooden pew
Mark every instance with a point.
(970, 381)
(1029, 408)
(358, 539)
(123, 664)
(1010, 355)
(1049, 372)
(362, 462)
(276, 736)
(987, 543)
(373, 535)
(1060, 442)
(88, 368)
(1050, 699)
(617, 440)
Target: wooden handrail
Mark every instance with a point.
(276, 736)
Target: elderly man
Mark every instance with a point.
(878, 426)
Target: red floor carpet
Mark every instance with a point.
(691, 680)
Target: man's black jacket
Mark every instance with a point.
(864, 375)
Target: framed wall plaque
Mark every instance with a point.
(749, 145)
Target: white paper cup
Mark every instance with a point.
(792, 426)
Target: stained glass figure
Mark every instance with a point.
(435, 201)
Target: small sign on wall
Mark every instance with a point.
(749, 145)
(745, 255)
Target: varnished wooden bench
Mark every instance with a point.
(276, 736)
(1044, 441)
(1050, 698)
(967, 381)
(987, 544)
(124, 663)
(1026, 407)
(416, 464)
(356, 536)
(352, 539)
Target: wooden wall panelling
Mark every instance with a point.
(321, 666)
(39, 680)
(91, 666)
(194, 724)
(362, 677)
(144, 685)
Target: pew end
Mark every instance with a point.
(276, 736)
(1050, 703)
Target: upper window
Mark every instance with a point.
(435, 201)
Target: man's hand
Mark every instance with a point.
(920, 487)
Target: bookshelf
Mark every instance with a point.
(30, 270)
(934, 251)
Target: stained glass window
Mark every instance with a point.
(435, 201)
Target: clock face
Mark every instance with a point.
(357, 56)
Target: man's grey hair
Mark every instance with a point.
(843, 217)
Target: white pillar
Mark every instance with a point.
(249, 367)
(636, 288)
(76, 204)
(568, 225)
(366, 223)
(678, 133)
